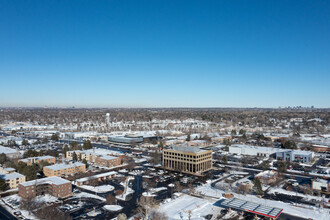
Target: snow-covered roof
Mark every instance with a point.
(106, 157)
(36, 158)
(8, 169)
(267, 174)
(187, 149)
(10, 176)
(97, 176)
(61, 166)
(7, 150)
(49, 180)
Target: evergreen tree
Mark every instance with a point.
(74, 156)
(87, 145)
(282, 167)
(3, 158)
(25, 142)
(3, 184)
(65, 149)
(54, 137)
(224, 159)
(85, 162)
(257, 186)
(188, 137)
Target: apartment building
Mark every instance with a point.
(54, 186)
(37, 160)
(107, 161)
(101, 157)
(190, 160)
(64, 169)
(13, 179)
(88, 155)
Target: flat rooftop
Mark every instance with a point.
(49, 180)
(7, 150)
(106, 157)
(252, 207)
(10, 176)
(97, 176)
(64, 166)
(264, 149)
(188, 149)
(37, 158)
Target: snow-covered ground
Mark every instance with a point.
(113, 208)
(11, 204)
(129, 190)
(98, 189)
(180, 207)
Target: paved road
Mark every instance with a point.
(5, 215)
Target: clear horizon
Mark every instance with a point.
(165, 54)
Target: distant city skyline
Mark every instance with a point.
(165, 54)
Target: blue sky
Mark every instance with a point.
(165, 53)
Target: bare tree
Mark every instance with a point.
(92, 181)
(156, 215)
(145, 204)
(177, 187)
(51, 213)
(29, 204)
(111, 200)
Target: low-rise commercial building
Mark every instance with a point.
(295, 156)
(127, 139)
(64, 169)
(107, 161)
(253, 150)
(54, 186)
(37, 160)
(190, 160)
(13, 179)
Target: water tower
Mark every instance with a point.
(107, 116)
